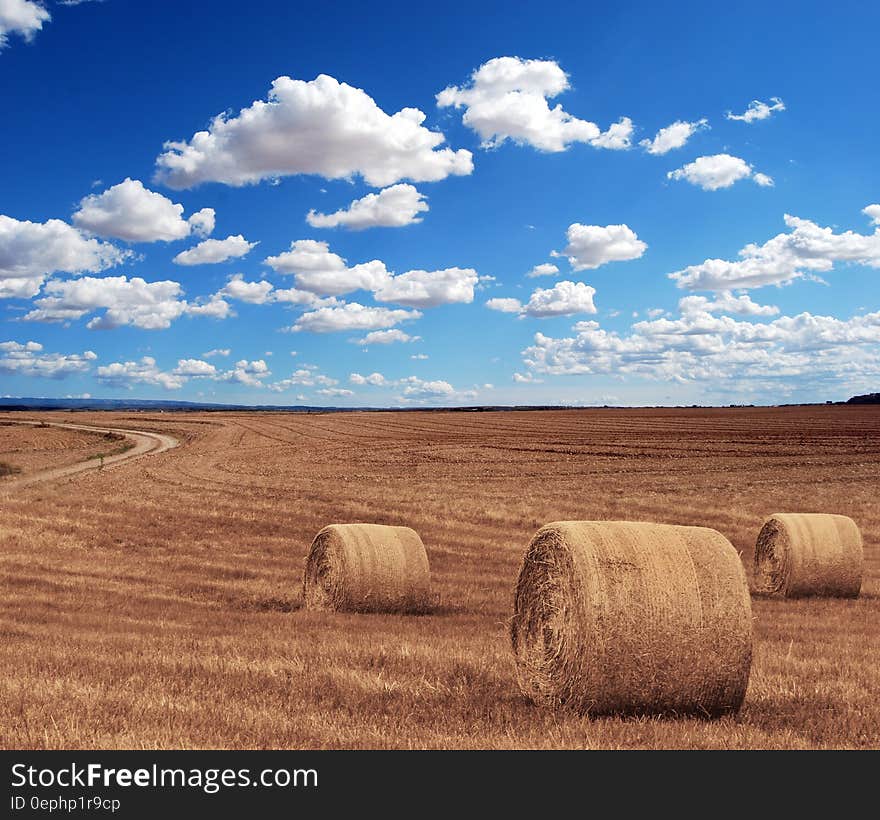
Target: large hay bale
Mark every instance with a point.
(619, 617)
(800, 554)
(367, 568)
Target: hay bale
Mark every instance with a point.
(800, 554)
(619, 617)
(367, 568)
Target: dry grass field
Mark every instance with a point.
(157, 604)
(26, 449)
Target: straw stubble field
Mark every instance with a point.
(26, 449)
(158, 604)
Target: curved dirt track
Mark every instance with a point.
(145, 443)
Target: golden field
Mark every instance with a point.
(26, 449)
(157, 604)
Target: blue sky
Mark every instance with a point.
(695, 191)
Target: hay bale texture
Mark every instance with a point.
(618, 617)
(800, 554)
(367, 568)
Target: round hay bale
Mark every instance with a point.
(619, 617)
(800, 554)
(367, 568)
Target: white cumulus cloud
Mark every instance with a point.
(250, 373)
(320, 127)
(673, 136)
(213, 251)
(318, 270)
(132, 212)
(145, 371)
(504, 305)
(293, 296)
(393, 207)
(352, 316)
(374, 379)
(335, 392)
(700, 347)
(194, 369)
(725, 302)
(202, 222)
(386, 337)
(32, 251)
(718, 171)
(147, 305)
(304, 377)
(423, 391)
(255, 293)
(413, 389)
(806, 248)
(563, 299)
(263, 292)
(424, 289)
(22, 17)
(214, 307)
(28, 359)
(507, 99)
(590, 246)
(758, 110)
(873, 213)
(544, 269)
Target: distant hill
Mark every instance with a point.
(162, 405)
(139, 404)
(159, 405)
(868, 398)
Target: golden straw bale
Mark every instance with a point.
(619, 617)
(367, 568)
(801, 554)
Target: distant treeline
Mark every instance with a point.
(868, 398)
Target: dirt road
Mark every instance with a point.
(145, 443)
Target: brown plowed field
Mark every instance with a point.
(157, 604)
